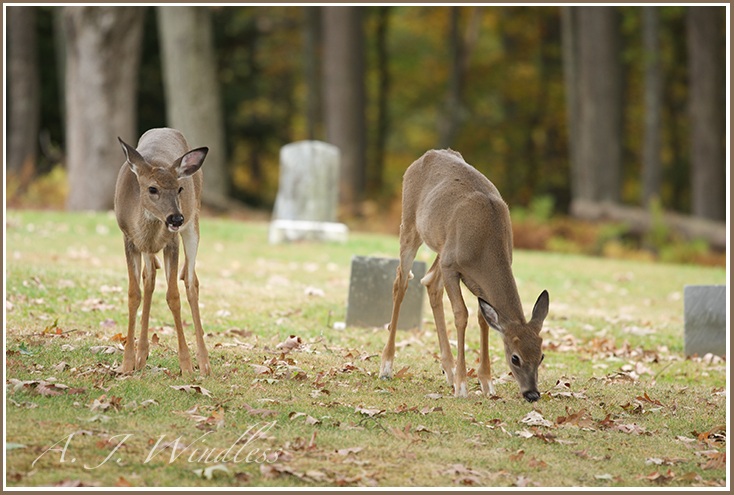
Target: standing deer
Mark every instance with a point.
(459, 214)
(158, 197)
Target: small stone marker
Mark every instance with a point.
(308, 194)
(370, 293)
(704, 308)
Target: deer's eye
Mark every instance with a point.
(542, 357)
(180, 189)
(515, 360)
(152, 190)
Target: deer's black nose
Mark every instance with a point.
(175, 220)
(531, 396)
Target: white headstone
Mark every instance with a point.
(308, 194)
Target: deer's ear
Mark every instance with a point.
(490, 315)
(134, 160)
(190, 162)
(540, 310)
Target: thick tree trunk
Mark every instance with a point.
(651, 166)
(24, 97)
(570, 55)
(193, 102)
(310, 36)
(344, 98)
(383, 88)
(706, 63)
(599, 161)
(103, 55)
(455, 113)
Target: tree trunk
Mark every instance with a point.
(344, 98)
(651, 166)
(24, 97)
(193, 103)
(461, 48)
(103, 55)
(310, 36)
(570, 62)
(383, 89)
(707, 111)
(598, 167)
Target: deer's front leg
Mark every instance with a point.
(149, 272)
(484, 373)
(188, 275)
(461, 315)
(132, 255)
(170, 258)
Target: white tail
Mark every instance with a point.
(459, 214)
(158, 197)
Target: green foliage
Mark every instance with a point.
(513, 116)
(540, 210)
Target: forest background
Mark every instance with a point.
(598, 112)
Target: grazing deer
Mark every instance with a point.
(158, 197)
(459, 214)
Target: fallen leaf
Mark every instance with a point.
(208, 472)
(310, 420)
(292, 342)
(427, 409)
(60, 367)
(692, 476)
(368, 412)
(403, 373)
(351, 450)
(260, 412)
(195, 388)
(122, 482)
(534, 418)
(536, 463)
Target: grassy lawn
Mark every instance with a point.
(620, 404)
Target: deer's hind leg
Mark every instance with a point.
(433, 281)
(190, 239)
(409, 244)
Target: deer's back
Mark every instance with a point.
(442, 190)
(460, 214)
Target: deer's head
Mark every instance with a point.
(523, 344)
(161, 184)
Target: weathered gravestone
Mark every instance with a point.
(704, 308)
(370, 293)
(308, 194)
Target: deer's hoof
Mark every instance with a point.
(386, 370)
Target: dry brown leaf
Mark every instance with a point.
(195, 388)
(350, 450)
(260, 412)
(291, 343)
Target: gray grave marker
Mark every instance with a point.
(370, 293)
(704, 308)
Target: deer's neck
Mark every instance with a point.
(495, 284)
(151, 235)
